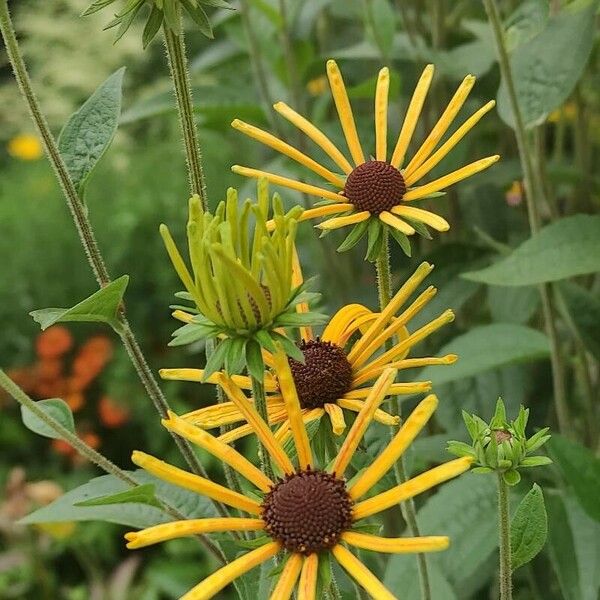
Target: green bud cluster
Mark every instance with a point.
(501, 445)
(241, 280)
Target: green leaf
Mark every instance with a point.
(402, 240)
(217, 358)
(355, 235)
(546, 68)
(374, 238)
(581, 469)
(529, 528)
(488, 347)
(565, 248)
(526, 22)
(100, 307)
(200, 18)
(65, 508)
(55, 408)
(142, 494)
(152, 25)
(89, 132)
(584, 309)
(254, 360)
(381, 24)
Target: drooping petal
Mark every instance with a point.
(336, 415)
(220, 579)
(424, 216)
(342, 319)
(401, 545)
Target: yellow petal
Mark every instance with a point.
(411, 177)
(402, 545)
(392, 452)
(195, 483)
(389, 219)
(362, 421)
(219, 450)
(261, 429)
(306, 332)
(412, 116)
(220, 579)
(380, 416)
(359, 572)
(338, 222)
(178, 529)
(390, 310)
(287, 580)
(381, 110)
(450, 179)
(342, 319)
(307, 587)
(283, 433)
(197, 374)
(281, 146)
(305, 188)
(317, 136)
(336, 415)
(182, 316)
(292, 404)
(178, 262)
(411, 488)
(424, 216)
(440, 128)
(342, 103)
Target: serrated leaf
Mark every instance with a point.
(142, 494)
(565, 248)
(529, 528)
(89, 132)
(55, 408)
(100, 307)
(488, 347)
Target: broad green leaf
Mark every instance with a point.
(584, 309)
(381, 23)
(100, 307)
(526, 22)
(581, 469)
(54, 407)
(513, 304)
(131, 514)
(546, 68)
(142, 494)
(488, 347)
(529, 528)
(565, 248)
(89, 132)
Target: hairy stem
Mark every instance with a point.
(178, 66)
(504, 540)
(533, 197)
(260, 402)
(384, 288)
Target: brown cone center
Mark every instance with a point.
(375, 186)
(325, 376)
(308, 511)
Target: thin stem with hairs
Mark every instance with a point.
(504, 540)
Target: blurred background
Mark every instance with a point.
(261, 55)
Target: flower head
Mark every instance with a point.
(338, 368)
(241, 284)
(371, 193)
(309, 509)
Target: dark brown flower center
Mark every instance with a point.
(375, 186)
(325, 376)
(308, 511)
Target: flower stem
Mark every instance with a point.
(504, 540)
(178, 66)
(260, 402)
(533, 196)
(384, 288)
(84, 226)
(88, 452)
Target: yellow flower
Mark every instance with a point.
(307, 511)
(25, 147)
(339, 367)
(383, 187)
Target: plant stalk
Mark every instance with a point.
(533, 196)
(504, 540)
(260, 402)
(384, 289)
(180, 74)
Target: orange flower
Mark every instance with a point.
(49, 369)
(112, 415)
(75, 400)
(53, 342)
(62, 447)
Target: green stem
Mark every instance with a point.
(384, 288)
(85, 230)
(87, 451)
(178, 66)
(533, 196)
(260, 402)
(504, 540)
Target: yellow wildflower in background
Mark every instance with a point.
(309, 510)
(383, 187)
(25, 147)
(339, 367)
